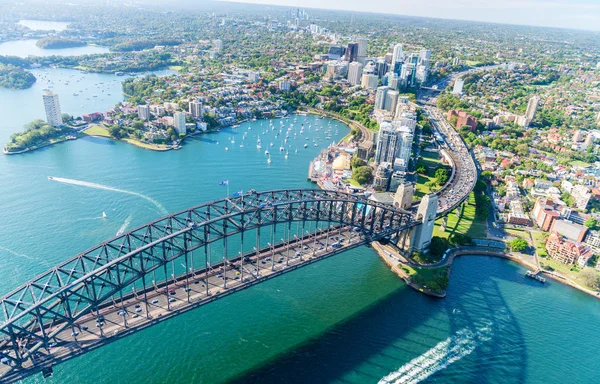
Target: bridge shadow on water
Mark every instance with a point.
(470, 336)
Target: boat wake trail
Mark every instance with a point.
(446, 352)
(124, 226)
(108, 188)
(7, 250)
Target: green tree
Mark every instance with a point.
(441, 175)
(591, 223)
(518, 245)
(591, 278)
(362, 174)
(438, 246)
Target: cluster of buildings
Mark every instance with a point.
(396, 69)
(394, 147)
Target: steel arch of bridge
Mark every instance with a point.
(34, 314)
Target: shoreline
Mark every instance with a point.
(457, 252)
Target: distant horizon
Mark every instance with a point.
(583, 15)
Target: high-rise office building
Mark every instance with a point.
(144, 112)
(369, 81)
(363, 43)
(381, 68)
(531, 110)
(336, 52)
(425, 55)
(386, 143)
(196, 109)
(354, 72)
(52, 107)
(404, 141)
(397, 54)
(392, 80)
(391, 99)
(458, 86)
(352, 52)
(380, 97)
(179, 122)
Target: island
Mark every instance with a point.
(14, 77)
(58, 43)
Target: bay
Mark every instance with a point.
(24, 48)
(347, 319)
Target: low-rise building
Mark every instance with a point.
(567, 252)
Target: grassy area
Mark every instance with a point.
(434, 279)
(518, 233)
(539, 243)
(432, 158)
(352, 182)
(154, 147)
(570, 271)
(577, 163)
(97, 130)
(467, 224)
(175, 68)
(422, 189)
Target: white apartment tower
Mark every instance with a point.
(144, 112)
(52, 107)
(531, 110)
(179, 122)
(391, 100)
(369, 81)
(458, 86)
(398, 54)
(196, 109)
(363, 43)
(380, 97)
(354, 72)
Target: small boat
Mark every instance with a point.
(269, 160)
(267, 152)
(104, 215)
(50, 178)
(305, 145)
(75, 94)
(227, 149)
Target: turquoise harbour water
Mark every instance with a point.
(346, 319)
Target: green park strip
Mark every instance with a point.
(467, 224)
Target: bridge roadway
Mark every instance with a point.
(142, 309)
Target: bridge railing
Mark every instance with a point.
(35, 314)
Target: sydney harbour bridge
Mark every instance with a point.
(187, 259)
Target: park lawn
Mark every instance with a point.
(140, 144)
(578, 163)
(539, 243)
(432, 157)
(565, 270)
(468, 224)
(352, 182)
(422, 189)
(97, 130)
(518, 233)
(175, 67)
(472, 62)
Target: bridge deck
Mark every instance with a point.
(142, 309)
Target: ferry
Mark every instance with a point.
(535, 276)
